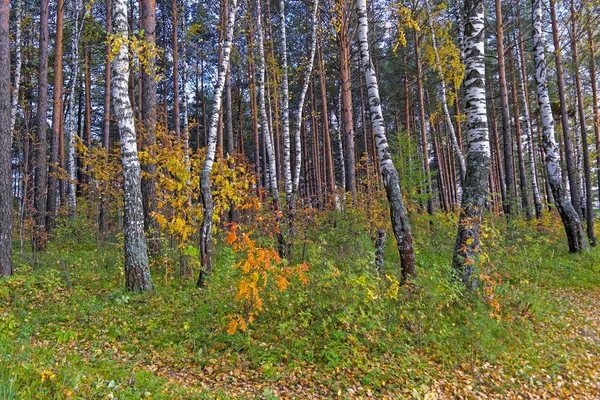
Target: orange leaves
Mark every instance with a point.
(260, 267)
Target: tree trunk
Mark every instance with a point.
(329, 169)
(391, 181)
(285, 114)
(206, 192)
(6, 198)
(272, 172)
(596, 114)
(448, 118)
(506, 134)
(174, 25)
(568, 146)
(57, 109)
(520, 157)
(71, 125)
(41, 176)
(137, 273)
(537, 200)
(344, 44)
(106, 121)
(299, 112)
(423, 126)
(569, 216)
(466, 250)
(18, 63)
(149, 122)
(587, 169)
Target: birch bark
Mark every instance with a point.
(205, 189)
(476, 182)
(137, 273)
(391, 180)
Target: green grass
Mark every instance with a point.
(69, 329)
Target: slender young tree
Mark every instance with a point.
(137, 272)
(41, 147)
(6, 206)
(448, 119)
(391, 180)
(478, 147)
(569, 216)
(300, 108)
(205, 189)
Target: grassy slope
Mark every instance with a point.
(67, 329)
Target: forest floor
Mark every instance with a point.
(69, 330)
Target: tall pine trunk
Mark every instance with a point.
(466, 250)
(568, 214)
(137, 273)
(149, 121)
(391, 180)
(57, 109)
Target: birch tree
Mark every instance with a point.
(568, 214)
(6, 220)
(205, 189)
(475, 185)
(137, 273)
(391, 180)
(300, 108)
(71, 121)
(444, 97)
(285, 114)
(270, 150)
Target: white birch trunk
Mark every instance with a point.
(391, 180)
(307, 75)
(137, 273)
(206, 191)
(475, 185)
(448, 118)
(569, 216)
(285, 114)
